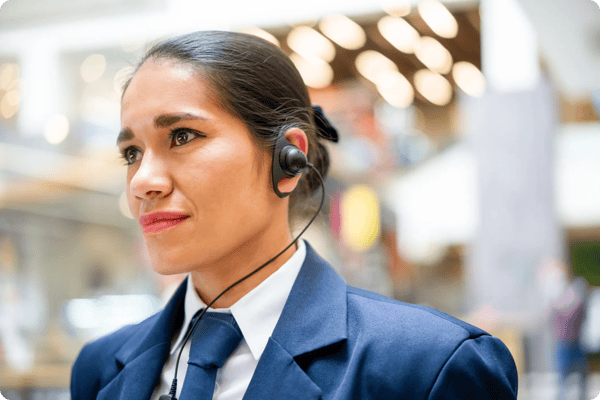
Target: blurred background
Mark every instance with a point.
(467, 177)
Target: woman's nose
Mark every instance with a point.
(151, 180)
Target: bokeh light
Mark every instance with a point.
(343, 31)
(399, 33)
(398, 8)
(395, 89)
(315, 72)
(261, 33)
(309, 44)
(13, 98)
(359, 217)
(9, 75)
(438, 18)
(469, 78)
(9, 104)
(433, 55)
(373, 65)
(56, 129)
(93, 68)
(433, 87)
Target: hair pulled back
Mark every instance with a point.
(257, 83)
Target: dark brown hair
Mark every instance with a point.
(257, 83)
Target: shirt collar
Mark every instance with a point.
(258, 311)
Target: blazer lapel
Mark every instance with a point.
(313, 318)
(143, 356)
(139, 376)
(277, 376)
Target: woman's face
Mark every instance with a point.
(189, 158)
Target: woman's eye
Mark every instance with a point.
(130, 155)
(182, 137)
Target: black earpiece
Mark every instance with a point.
(288, 161)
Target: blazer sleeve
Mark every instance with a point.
(480, 368)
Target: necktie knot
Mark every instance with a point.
(214, 338)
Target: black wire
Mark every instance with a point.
(173, 390)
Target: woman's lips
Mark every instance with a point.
(159, 221)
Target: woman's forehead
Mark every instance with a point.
(164, 72)
(160, 84)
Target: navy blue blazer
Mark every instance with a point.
(332, 341)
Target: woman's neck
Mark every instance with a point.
(210, 282)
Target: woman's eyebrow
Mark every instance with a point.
(165, 120)
(161, 121)
(124, 135)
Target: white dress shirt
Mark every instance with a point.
(256, 314)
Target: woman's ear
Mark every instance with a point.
(297, 137)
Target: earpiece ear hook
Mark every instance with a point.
(288, 161)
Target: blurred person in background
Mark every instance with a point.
(209, 122)
(566, 313)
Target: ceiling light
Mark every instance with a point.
(93, 67)
(397, 8)
(309, 43)
(438, 18)
(263, 35)
(433, 87)
(469, 78)
(433, 55)
(396, 89)
(315, 72)
(399, 33)
(373, 65)
(343, 31)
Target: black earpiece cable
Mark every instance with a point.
(173, 390)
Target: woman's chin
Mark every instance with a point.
(170, 271)
(169, 267)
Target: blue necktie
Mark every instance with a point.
(214, 338)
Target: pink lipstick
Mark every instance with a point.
(159, 221)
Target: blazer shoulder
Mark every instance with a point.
(383, 312)
(401, 336)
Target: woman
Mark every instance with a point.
(203, 120)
